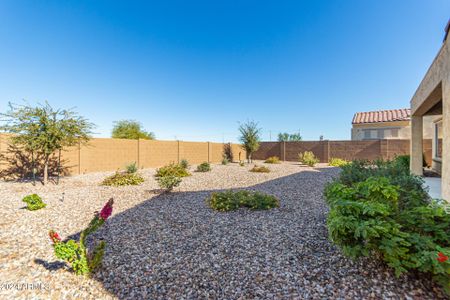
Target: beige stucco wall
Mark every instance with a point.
(404, 129)
(434, 87)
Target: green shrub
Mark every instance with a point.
(122, 179)
(260, 169)
(338, 162)
(225, 160)
(241, 164)
(381, 209)
(132, 168)
(232, 200)
(168, 182)
(308, 158)
(204, 167)
(184, 164)
(273, 160)
(172, 170)
(34, 202)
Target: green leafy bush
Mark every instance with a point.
(260, 169)
(172, 170)
(34, 202)
(184, 164)
(273, 160)
(168, 182)
(338, 162)
(381, 209)
(308, 158)
(132, 168)
(241, 164)
(232, 200)
(123, 178)
(204, 167)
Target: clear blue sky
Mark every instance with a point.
(194, 69)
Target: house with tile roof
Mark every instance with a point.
(385, 124)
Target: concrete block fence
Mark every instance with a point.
(349, 150)
(106, 154)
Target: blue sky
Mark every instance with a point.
(192, 70)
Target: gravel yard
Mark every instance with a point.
(175, 247)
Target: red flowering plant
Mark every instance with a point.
(82, 260)
(443, 264)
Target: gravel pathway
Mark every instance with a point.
(175, 247)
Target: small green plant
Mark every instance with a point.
(168, 182)
(172, 170)
(34, 202)
(132, 168)
(232, 200)
(225, 160)
(123, 178)
(308, 158)
(338, 162)
(241, 164)
(204, 167)
(184, 164)
(77, 254)
(273, 160)
(260, 169)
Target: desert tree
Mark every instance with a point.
(44, 131)
(130, 129)
(250, 137)
(286, 137)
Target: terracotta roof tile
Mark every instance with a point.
(403, 114)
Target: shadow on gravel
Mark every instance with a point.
(174, 246)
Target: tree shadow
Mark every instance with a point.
(228, 152)
(175, 246)
(17, 165)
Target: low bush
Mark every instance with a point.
(308, 158)
(172, 169)
(232, 200)
(168, 182)
(34, 202)
(225, 160)
(272, 160)
(132, 168)
(123, 178)
(378, 209)
(337, 162)
(260, 169)
(77, 254)
(204, 167)
(241, 164)
(184, 164)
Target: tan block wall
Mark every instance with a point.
(194, 152)
(107, 155)
(348, 150)
(153, 154)
(216, 152)
(103, 154)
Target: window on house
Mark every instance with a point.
(394, 132)
(438, 139)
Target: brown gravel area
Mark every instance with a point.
(175, 247)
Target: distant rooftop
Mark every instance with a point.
(379, 116)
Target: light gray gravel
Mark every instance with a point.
(175, 247)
